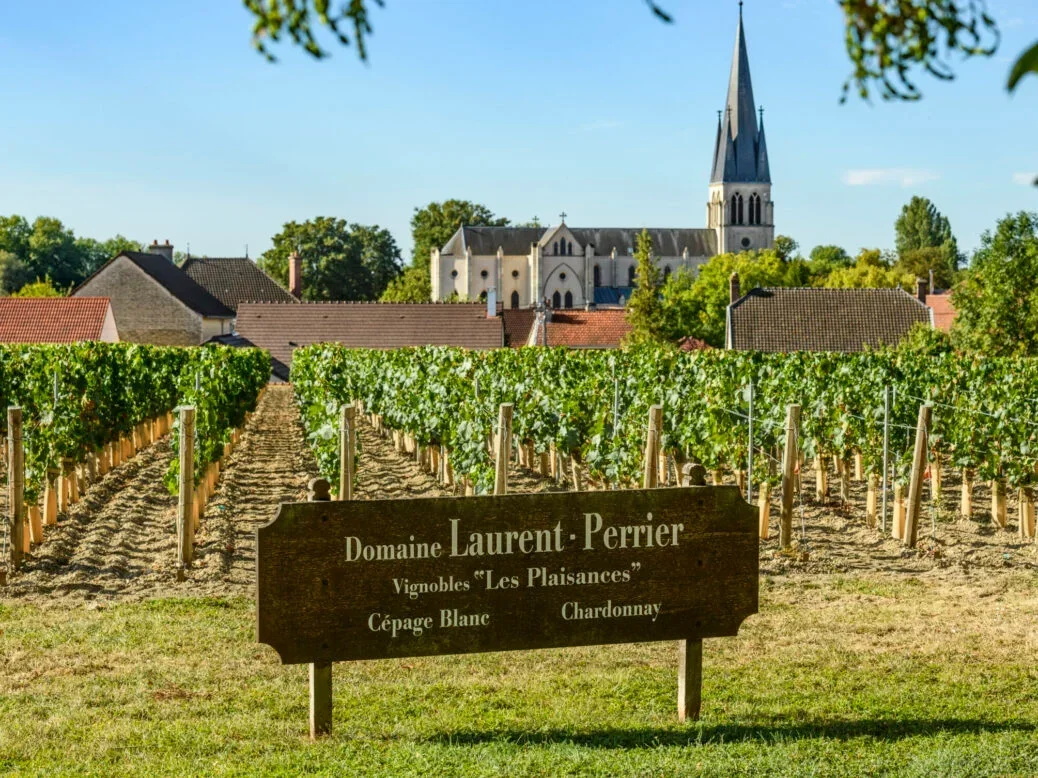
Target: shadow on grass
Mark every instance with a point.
(705, 734)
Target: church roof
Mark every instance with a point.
(667, 242)
(740, 153)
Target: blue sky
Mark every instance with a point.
(158, 120)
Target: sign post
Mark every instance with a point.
(380, 579)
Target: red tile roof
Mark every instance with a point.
(943, 311)
(52, 319)
(518, 322)
(587, 329)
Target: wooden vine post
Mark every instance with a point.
(15, 484)
(652, 447)
(185, 509)
(915, 486)
(503, 445)
(320, 672)
(790, 457)
(347, 450)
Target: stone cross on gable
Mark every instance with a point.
(563, 216)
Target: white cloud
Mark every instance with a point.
(1025, 179)
(892, 175)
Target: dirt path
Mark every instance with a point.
(119, 537)
(272, 465)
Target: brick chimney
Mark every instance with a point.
(163, 249)
(733, 288)
(920, 289)
(295, 275)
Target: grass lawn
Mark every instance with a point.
(835, 676)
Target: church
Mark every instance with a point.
(568, 267)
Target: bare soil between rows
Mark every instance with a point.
(118, 543)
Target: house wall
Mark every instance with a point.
(213, 327)
(109, 332)
(144, 311)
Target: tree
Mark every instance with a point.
(411, 286)
(431, 228)
(53, 253)
(96, 252)
(645, 309)
(871, 270)
(433, 225)
(14, 274)
(921, 226)
(340, 261)
(39, 288)
(886, 40)
(942, 261)
(785, 247)
(997, 303)
(697, 305)
(14, 236)
(825, 259)
(380, 256)
(925, 242)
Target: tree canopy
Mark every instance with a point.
(925, 243)
(997, 303)
(871, 270)
(341, 261)
(46, 248)
(695, 304)
(431, 228)
(887, 41)
(645, 309)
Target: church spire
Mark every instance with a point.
(738, 154)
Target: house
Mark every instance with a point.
(280, 328)
(154, 301)
(570, 328)
(572, 267)
(812, 319)
(56, 320)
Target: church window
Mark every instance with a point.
(666, 273)
(482, 273)
(732, 215)
(758, 210)
(556, 300)
(515, 299)
(630, 276)
(555, 248)
(562, 276)
(745, 243)
(598, 276)
(569, 299)
(570, 247)
(454, 274)
(483, 296)
(740, 221)
(515, 274)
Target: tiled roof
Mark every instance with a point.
(943, 311)
(176, 282)
(235, 280)
(52, 319)
(822, 319)
(587, 329)
(282, 327)
(517, 322)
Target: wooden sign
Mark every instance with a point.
(395, 578)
